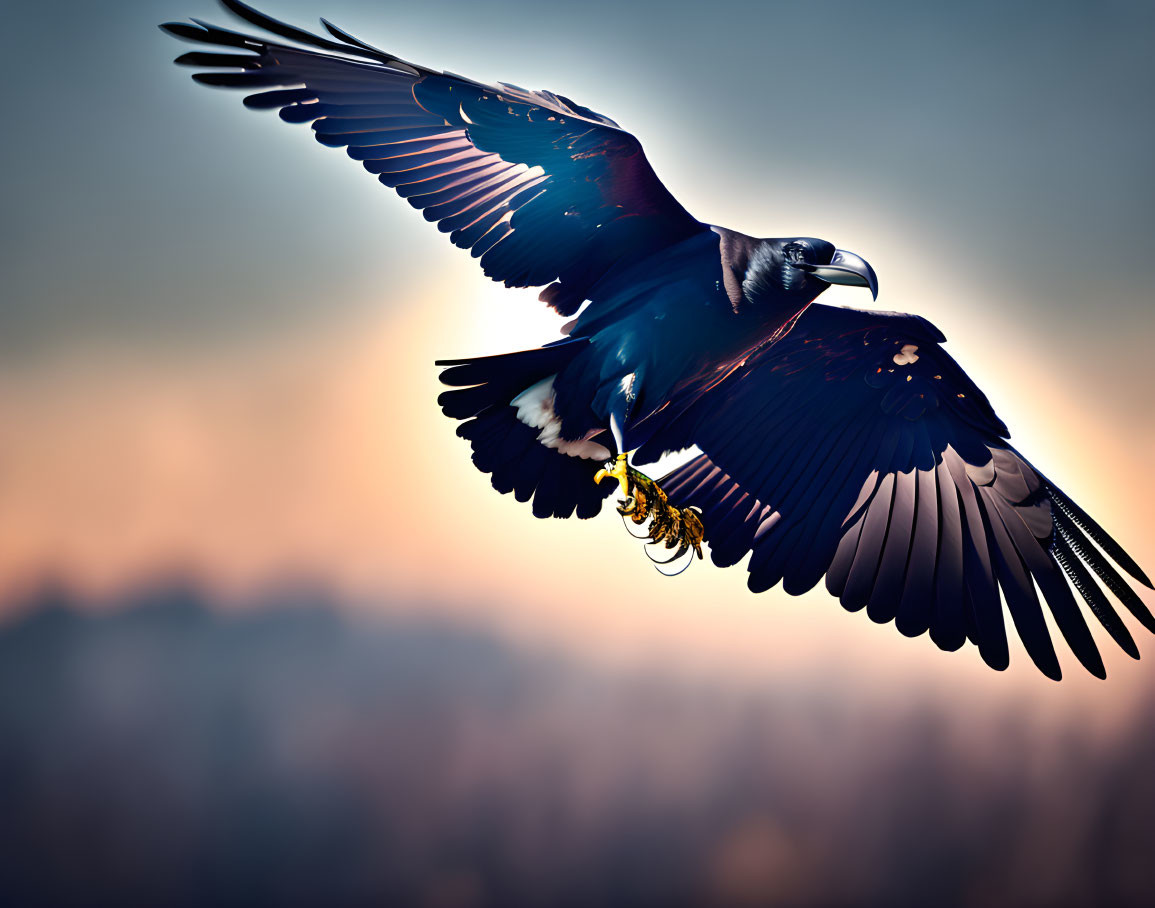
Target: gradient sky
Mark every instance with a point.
(217, 336)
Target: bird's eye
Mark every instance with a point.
(795, 253)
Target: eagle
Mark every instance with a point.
(828, 442)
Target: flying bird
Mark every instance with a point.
(834, 442)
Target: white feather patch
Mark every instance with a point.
(535, 409)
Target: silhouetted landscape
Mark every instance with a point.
(166, 753)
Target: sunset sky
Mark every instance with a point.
(218, 337)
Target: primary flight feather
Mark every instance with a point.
(835, 442)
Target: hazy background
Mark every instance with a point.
(266, 633)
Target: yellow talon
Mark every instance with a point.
(676, 527)
(619, 471)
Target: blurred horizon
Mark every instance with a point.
(180, 753)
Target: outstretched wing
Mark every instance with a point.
(856, 447)
(542, 190)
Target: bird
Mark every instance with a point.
(826, 442)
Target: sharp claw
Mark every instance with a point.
(626, 523)
(680, 570)
(685, 547)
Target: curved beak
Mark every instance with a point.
(846, 268)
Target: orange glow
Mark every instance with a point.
(326, 457)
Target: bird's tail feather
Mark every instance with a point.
(509, 450)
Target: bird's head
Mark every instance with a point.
(803, 267)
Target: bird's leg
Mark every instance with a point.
(676, 527)
(619, 469)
